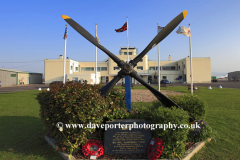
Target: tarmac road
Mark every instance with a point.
(224, 84)
(23, 88)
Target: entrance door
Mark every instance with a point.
(107, 79)
(150, 79)
(184, 78)
(103, 80)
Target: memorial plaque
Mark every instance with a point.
(133, 137)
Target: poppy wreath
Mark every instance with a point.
(155, 148)
(93, 147)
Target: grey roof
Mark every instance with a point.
(18, 71)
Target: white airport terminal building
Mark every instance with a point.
(174, 71)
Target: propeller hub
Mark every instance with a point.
(127, 68)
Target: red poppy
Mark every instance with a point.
(93, 147)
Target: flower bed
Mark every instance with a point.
(190, 149)
(82, 104)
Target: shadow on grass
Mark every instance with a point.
(6, 93)
(22, 137)
(14, 92)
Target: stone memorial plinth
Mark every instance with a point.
(129, 136)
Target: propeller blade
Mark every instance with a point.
(160, 36)
(161, 97)
(90, 38)
(106, 89)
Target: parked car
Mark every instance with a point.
(165, 81)
(55, 82)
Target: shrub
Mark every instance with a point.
(76, 103)
(117, 109)
(195, 106)
(174, 140)
(139, 113)
(202, 133)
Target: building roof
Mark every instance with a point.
(18, 71)
(128, 48)
(234, 72)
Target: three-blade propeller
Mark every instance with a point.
(127, 68)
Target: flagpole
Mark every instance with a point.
(191, 61)
(64, 63)
(127, 42)
(158, 65)
(96, 58)
(128, 80)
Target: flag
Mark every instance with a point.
(65, 33)
(184, 30)
(122, 29)
(160, 28)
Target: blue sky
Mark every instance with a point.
(32, 31)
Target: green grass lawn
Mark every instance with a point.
(223, 115)
(22, 130)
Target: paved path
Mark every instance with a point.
(23, 88)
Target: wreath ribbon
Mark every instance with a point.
(155, 148)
